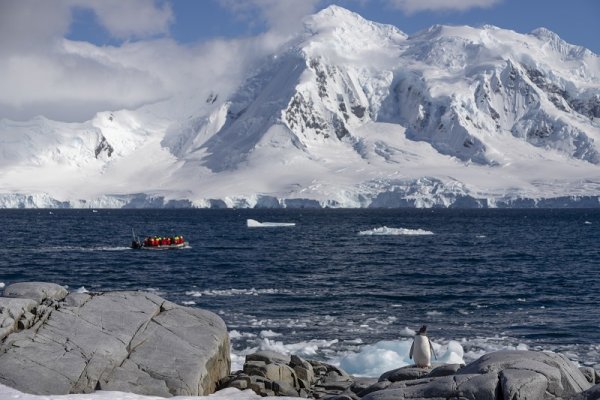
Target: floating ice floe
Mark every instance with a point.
(384, 230)
(375, 359)
(252, 223)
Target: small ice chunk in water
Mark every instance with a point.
(252, 223)
(407, 332)
(453, 355)
(384, 230)
(269, 334)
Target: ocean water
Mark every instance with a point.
(348, 287)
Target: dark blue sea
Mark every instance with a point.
(486, 279)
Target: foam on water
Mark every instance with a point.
(384, 230)
(269, 334)
(233, 292)
(69, 249)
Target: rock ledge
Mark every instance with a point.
(55, 342)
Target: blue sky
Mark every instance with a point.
(576, 21)
(69, 59)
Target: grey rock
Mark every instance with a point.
(268, 373)
(15, 313)
(562, 378)
(269, 357)
(254, 368)
(281, 373)
(502, 375)
(360, 384)
(590, 374)
(480, 387)
(342, 396)
(522, 384)
(282, 388)
(404, 374)
(240, 384)
(335, 385)
(129, 341)
(445, 370)
(592, 393)
(474, 387)
(377, 386)
(131, 376)
(304, 370)
(37, 291)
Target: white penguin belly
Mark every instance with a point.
(422, 351)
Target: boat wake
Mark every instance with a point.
(384, 230)
(67, 249)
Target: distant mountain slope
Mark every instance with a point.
(350, 113)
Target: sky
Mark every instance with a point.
(68, 59)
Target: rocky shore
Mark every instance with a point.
(503, 375)
(56, 342)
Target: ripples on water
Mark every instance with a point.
(499, 277)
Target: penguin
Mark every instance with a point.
(422, 349)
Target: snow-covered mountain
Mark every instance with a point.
(349, 113)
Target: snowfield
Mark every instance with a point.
(348, 113)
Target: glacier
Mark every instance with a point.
(347, 113)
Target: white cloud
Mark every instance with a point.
(29, 25)
(413, 6)
(42, 73)
(281, 16)
(130, 18)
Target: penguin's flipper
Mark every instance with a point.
(432, 349)
(410, 353)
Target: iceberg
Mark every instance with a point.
(252, 223)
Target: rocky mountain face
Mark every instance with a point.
(349, 113)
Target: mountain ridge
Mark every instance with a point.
(348, 113)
